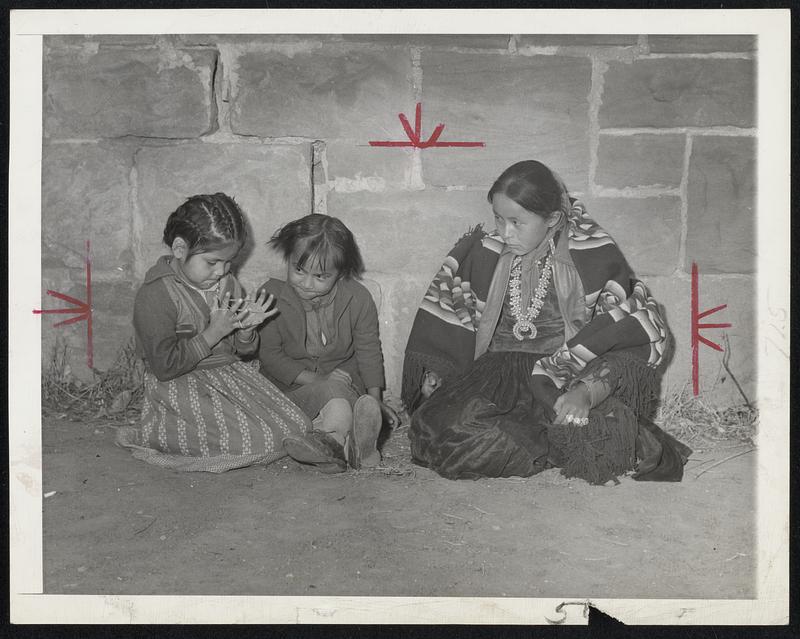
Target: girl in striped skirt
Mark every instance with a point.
(204, 408)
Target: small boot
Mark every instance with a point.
(362, 440)
(318, 449)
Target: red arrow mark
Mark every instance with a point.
(415, 134)
(697, 339)
(82, 310)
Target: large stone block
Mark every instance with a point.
(520, 107)
(460, 40)
(647, 230)
(258, 39)
(118, 39)
(104, 92)
(700, 43)
(272, 184)
(325, 94)
(86, 196)
(392, 40)
(112, 321)
(68, 340)
(640, 160)
(354, 166)
(721, 205)
(409, 232)
(671, 92)
(112, 312)
(401, 295)
(579, 40)
(739, 293)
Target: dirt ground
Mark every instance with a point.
(116, 525)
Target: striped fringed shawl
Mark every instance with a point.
(620, 314)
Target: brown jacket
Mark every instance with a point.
(354, 348)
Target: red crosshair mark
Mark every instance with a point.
(82, 310)
(696, 326)
(415, 134)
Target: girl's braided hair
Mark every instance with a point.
(206, 222)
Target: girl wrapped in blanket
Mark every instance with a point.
(323, 348)
(204, 408)
(535, 347)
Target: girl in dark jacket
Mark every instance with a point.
(323, 348)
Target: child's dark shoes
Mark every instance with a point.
(318, 449)
(362, 449)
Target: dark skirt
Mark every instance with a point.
(484, 423)
(489, 423)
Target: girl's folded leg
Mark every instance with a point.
(336, 419)
(324, 446)
(362, 445)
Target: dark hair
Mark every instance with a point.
(320, 238)
(206, 222)
(531, 185)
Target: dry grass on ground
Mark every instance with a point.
(113, 395)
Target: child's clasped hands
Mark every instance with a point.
(228, 315)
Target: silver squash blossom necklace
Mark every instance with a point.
(524, 326)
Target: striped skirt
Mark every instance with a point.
(213, 419)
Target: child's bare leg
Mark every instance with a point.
(362, 445)
(324, 445)
(335, 418)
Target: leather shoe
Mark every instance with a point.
(318, 449)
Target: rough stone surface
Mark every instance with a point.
(640, 160)
(86, 196)
(260, 39)
(98, 91)
(272, 184)
(400, 296)
(70, 339)
(738, 293)
(409, 232)
(668, 92)
(461, 41)
(700, 43)
(520, 107)
(321, 94)
(112, 310)
(119, 39)
(721, 205)
(647, 230)
(346, 90)
(112, 320)
(585, 40)
(352, 165)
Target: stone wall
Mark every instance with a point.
(655, 133)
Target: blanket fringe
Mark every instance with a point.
(606, 447)
(636, 383)
(600, 451)
(471, 231)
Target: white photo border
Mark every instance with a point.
(29, 605)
